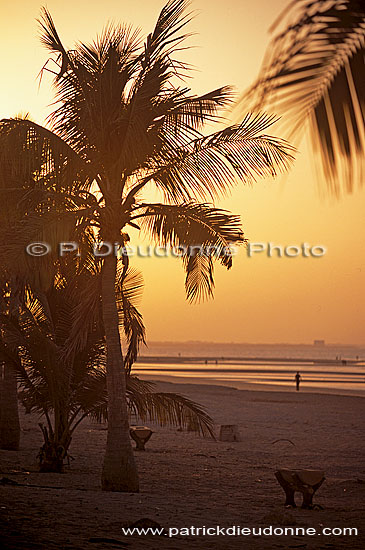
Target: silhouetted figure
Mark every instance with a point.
(297, 380)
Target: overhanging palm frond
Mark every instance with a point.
(167, 408)
(200, 234)
(314, 75)
(129, 288)
(208, 166)
(164, 408)
(171, 409)
(199, 280)
(190, 224)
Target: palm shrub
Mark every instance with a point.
(64, 388)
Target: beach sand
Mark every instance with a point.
(189, 481)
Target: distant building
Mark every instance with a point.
(319, 343)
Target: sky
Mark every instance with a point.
(261, 299)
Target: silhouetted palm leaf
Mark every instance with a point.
(164, 408)
(208, 166)
(129, 286)
(33, 157)
(200, 234)
(314, 75)
(84, 292)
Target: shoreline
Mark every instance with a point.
(203, 383)
(220, 359)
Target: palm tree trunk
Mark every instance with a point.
(56, 441)
(9, 413)
(119, 468)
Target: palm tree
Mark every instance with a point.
(12, 176)
(24, 195)
(38, 338)
(123, 122)
(314, 75)
(9, 412)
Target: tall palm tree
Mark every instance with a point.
(64, 389)
(123, 122)
(314, 75)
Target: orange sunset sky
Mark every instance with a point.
(261, 299)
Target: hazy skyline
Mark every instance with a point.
(261, 299)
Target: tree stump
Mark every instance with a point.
(306, 482)
(140, 434)
(229, 432)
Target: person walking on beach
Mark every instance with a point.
(297, 380)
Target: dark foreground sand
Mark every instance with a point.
(189, 481)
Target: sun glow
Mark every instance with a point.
(261, 298)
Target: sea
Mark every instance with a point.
(331, 368)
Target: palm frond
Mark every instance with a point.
(34, 356)
(49, 35)
(130, 283)
(164, 408)
(129, 287)
(120, 38)
(38, 157)
(49, 229)
(313, 74)
(197, 110)
(167, 408)
(199, 281)
(200, 234)
(84, 291)
(91, 398)
(35, 306)
(164, 36)
(191, 224)
(208, 166)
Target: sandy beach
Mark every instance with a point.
(189, 481)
